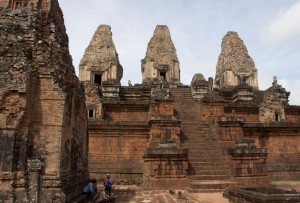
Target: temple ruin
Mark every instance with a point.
(56, 130)
(43, 137)
(212, 134)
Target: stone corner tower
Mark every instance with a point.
(43, 117)
(235, 66)
(100, 62)
(161, 62)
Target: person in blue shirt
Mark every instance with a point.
(90, 189)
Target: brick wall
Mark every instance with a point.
(118, 153)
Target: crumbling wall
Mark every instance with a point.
(271, 108)
(93, 100)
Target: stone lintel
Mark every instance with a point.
(231, 120)
(249, 153)
(171, 119)
(247, 147)
(161, 152)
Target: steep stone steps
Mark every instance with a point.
(208, 167)
(207, 178)
(208, 186)
(210, 171)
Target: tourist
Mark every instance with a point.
(95, 188)
(104, 197)
(107, 183)
(90, 189)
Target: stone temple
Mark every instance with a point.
(56, 130)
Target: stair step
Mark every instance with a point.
(190, 190)
(209, 184)
(208, 167)
(204, 164)
(205, 172)
(208, 177)
(207, 161)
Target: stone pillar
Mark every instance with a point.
(199, 91)
(242, 92)
(165, 168)
(249, 164)
(35, 167)
(165, 162)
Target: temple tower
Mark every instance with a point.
(100, 61)
(43, 118)
(235, 66)
(160, 62)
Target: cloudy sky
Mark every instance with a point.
(270, 30)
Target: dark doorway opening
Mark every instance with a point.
(277, 117)
(91, 113)
(18, 4)
(98, 79)
(162, 75)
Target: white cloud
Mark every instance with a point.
(286, 27)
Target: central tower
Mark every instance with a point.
(160, 62)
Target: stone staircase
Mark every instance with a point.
(208, 167)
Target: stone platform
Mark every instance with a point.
(262, 195)
(136, 194)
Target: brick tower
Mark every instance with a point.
(160, 63)
(100, 61)
(235, 66)
(43, 114)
